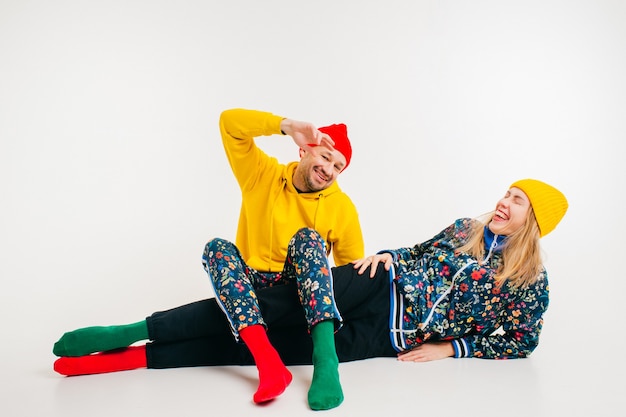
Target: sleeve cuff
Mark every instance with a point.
(461, 348)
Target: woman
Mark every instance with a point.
(477, 289)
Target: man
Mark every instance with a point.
(277, 201)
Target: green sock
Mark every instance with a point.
(325, 391)
(99, 339)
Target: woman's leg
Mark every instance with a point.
(364, 305)
(281, 310)
(198, 334)
(290, 338)
(123, 359)
(363, 302)
(195, 334)
(188, 322)
(202, 318)
(198, 319)
(88, 340)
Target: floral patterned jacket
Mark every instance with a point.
(439, 295)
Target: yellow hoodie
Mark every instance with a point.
(272, 210)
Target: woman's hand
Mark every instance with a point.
(373, 261)
(428, 352)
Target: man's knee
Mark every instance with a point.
(306, 234)
(219, 245)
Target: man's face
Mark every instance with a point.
(318, 168)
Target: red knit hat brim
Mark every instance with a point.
(339, 134)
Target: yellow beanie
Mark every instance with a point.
(549, 204)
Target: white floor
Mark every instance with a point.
(380, 387)
(556, 380)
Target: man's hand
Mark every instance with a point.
(428, 352)
(305, 133)
(373, 261)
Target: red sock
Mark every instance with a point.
(274, 377)
(117, 360)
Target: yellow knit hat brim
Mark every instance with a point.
(549, 204)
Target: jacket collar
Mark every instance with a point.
(490, 237)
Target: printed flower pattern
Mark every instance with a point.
(476, 307)
(235, 282)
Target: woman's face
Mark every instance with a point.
(511, 212)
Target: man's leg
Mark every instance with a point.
(233, 282)
(307, 258)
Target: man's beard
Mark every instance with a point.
(312, 185)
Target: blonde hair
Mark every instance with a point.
(521, 256)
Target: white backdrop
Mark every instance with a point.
(113, 176)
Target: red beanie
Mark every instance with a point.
(339, 134)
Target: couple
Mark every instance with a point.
(283, 305)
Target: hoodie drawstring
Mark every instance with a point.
(446, 292)
(423, 325)
(280, 190)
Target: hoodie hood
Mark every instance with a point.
(272, 210)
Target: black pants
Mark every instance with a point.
(198, 334)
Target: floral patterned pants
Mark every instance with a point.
(235, 282)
